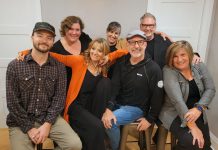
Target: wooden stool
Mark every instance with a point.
(144, 137)
(39, 146)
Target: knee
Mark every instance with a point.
(186, 140)
(75, 144)
(97, 127)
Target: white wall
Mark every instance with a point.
(96, 14)
(17, 21)
(212, 64)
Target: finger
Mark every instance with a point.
(115, 120)
(193, 142)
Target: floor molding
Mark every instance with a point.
(214, 141)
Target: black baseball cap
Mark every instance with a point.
(44, 26)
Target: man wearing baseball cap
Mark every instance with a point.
(137, 91)
(36, 90)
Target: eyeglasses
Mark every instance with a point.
(148, 25)
(133, 43)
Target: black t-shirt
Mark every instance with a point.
(194, 95)
(150, 48)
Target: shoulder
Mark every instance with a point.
(167, 71)
(159, 39)
(152, 65)
(57, 47)
(84, 37)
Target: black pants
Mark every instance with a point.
(185, 138)
(86, 121)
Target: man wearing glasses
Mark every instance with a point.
(156, 45)
(137, 92)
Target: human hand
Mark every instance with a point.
(44, 131)
(107, 118)
(143, 124)
(20, 56)
(104, 60)
(33, 134)
(164, 36)
(197, 136)
(192, 115)
(196, 59)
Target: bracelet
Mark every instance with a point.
(200, 108)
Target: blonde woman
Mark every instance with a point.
(189, 90)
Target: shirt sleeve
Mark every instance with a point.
(58, 100)
(173, 91)
(157, 94)
(115, 86)
(15, 108)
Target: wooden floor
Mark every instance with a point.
(132, 143)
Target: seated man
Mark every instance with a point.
(36, 90)
(137, 93)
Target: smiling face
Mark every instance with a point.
(42, 41)
(112, 36)
(148, 26)
(181, 59)
(73, 33)
(136, 46)
(96, 52)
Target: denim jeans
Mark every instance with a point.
(124, 115)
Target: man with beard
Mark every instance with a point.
(137, 92)
(36, 89)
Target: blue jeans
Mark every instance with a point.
(124, 115)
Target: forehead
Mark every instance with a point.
(180, 51)
(148, 20)
(75, 26)
(136, 38)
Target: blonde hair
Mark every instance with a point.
(105, 49)
(174, 48)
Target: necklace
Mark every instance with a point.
(94, 68)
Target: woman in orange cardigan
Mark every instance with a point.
(88, 92)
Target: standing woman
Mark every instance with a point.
(73, 40)
(189, 90)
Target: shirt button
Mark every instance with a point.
(39, 79)
(38, 89)
(26, 79)
(37, 100)
(36, 110)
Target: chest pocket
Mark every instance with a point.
(50, 85)
(26, 83)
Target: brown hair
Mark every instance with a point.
(105, 49)
(68, 22)
(114, 26)
(174, 48)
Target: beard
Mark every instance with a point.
(42, 47)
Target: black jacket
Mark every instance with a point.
(160, 48)
(138, 85)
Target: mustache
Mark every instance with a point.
(44, 44)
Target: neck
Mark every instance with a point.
(187, 73)
(68, 42)
(111, 44)
(149, 38)
(136, 60)
(39, 57)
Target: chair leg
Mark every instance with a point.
(125, 132)
(161, 137)
(173, 141)
(39, 146)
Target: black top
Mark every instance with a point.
(138, 85)
(157, 49)
(111, 69)
(58, 48)
(86, 92)
(150, 48)
(194, 95)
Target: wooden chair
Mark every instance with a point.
(144, 137)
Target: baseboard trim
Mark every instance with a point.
(214, 141)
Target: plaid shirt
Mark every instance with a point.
(34, 93)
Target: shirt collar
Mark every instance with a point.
(28, 58)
